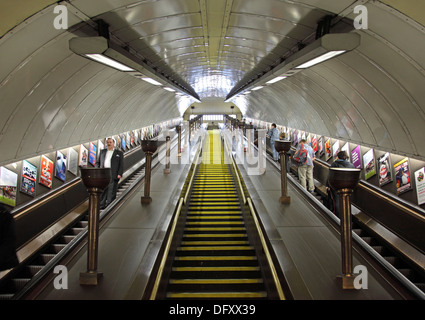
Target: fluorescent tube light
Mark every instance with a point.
(169, 89)
(257, 88)
(275, 80)
(152, 81)
(321, 58)
(109, 62)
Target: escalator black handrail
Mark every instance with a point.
(364, 245)
(74, 242)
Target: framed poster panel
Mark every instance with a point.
(314, 143)
(369, 164)
(72, 161)
(420, 185)
(128, 140)
(29, 178)
(123, 142)
(402, 175)
(83, 156)
(93, 154)
(328, 151)
(295, 137)
(335, 149)
(8, 186)
(321, 146)
(385, 169)
(46, 172)
(356, 157)
(60, 166)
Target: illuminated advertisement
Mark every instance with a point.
(328, 151)
(369, 164)
(8, 186)
(92, 156)
(356, 157)
(29, 178)
(60, 166)
(83, 157)
(384, 167)
(46, 172)
(420, 185)
(314, 143)
(72, 161)
(402, 176)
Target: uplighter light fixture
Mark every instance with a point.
(105, 51)
(152, 81)
(319, 59)
(326, 47)
(108, 61)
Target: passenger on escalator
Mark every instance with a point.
(8, 257)
(333, 197)
(304, 158)
(114, 159)
(274, 135)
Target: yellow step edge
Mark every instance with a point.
(213, 243)
(218, 248)
(215, 281)
(215, 235)
(198, 223)
(235, 217)
(220, 295)
(218, 258)
(215, 229)
(214, 269)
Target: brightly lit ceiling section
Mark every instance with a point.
(208, 46)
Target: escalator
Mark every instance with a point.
(215, 256)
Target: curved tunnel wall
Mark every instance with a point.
(372, 96)
(52, 99)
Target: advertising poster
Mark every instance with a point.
(93, 153)
(420, 185)
(29, 178)
(128, 140)
(321, 146)
(123, 142)
(314, 143)
(295, 137)
(335, 149)
(46, 172)
(384, 167)
(346, 148)
(328, 151)
(72, 161)
(8, 186)
(369, 164)
(60, 166)
(356, 158)
(402, 175)
(83, 157)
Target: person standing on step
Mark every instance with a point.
(114, 159)
(274, 135)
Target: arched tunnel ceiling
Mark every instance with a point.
(52, 98)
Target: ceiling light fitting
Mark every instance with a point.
(104, 51)
(326, 47)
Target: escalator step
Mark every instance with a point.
(34, 269)
(218, 295)
(19, 283)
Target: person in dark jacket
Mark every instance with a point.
(333, 197)
(8, 257)
(114, 159)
